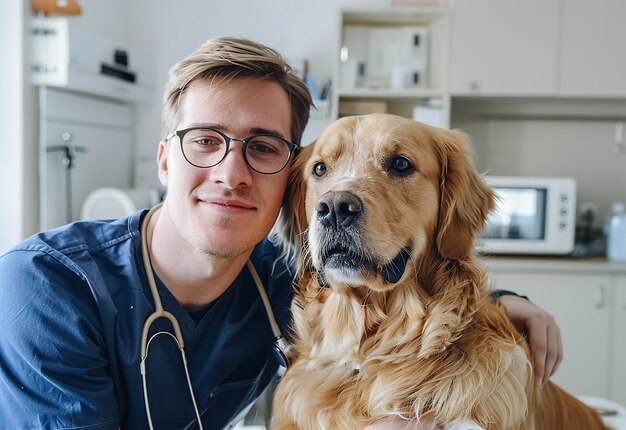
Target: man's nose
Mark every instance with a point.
(233, 171)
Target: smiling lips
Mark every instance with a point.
(229, 205)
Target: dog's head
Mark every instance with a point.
(376, 194)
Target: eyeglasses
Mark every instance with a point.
(207, 147)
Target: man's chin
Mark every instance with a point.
(224, 254)
(223, 250)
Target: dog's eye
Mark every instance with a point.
(400, 166)
(319, 169)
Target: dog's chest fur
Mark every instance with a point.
(358, 360)
(351, 350)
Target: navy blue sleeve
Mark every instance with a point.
(53, 367)
(499, 293)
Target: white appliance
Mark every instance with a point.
(110, 202)
(533, 215)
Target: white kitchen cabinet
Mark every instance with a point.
(380, 67)
(593, 52)
(618, 368)
(581, 304)
(505, 47)
(97, 134)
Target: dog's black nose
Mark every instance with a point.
(338, 209)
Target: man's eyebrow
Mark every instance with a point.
(250, 132)
(205, 125)
(259, 130)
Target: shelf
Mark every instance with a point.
(383, 50)
(394, 15)
(389, 93)
(538, 108)
(94, 84)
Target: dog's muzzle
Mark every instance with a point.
(338, 213)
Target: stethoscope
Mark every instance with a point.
(281, 347)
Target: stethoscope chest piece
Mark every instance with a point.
(281, 351)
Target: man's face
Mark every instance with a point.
(225, 210)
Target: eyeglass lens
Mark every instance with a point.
(206, 148)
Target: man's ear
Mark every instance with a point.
(162, 158)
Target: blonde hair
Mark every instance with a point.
(226, 58)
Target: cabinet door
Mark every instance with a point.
(105, 160)
(504, 47)
(100, 132)
(593, 55)
(580, 304)
(618, 372)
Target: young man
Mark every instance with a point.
(74, 301)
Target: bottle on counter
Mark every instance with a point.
(616, 233)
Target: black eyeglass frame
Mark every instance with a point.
(181, 134)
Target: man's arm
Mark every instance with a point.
(544, 335)
(53, 370)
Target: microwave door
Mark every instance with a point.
(520, 214)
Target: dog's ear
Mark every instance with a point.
(465, 199)
(292, 221)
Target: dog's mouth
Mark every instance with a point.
(345, 263)
(343, 257)
(392, 272)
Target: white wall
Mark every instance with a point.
(169, 31)
(584, 150)
(18, 160)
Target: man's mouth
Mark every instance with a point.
(228, 206)
(232, 204)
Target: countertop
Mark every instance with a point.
(555, 264)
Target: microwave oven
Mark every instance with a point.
(533, 216)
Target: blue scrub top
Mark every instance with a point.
(73, 302)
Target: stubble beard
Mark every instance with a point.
(224, 253)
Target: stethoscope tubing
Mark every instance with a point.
(159, 313)
(281, 346)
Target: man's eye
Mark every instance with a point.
(400, 166)
(206, 141)
(319, 169)
(261, 148)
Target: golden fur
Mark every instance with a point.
(372, 339)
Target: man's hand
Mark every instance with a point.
(544, 335)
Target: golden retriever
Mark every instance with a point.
(392, 315)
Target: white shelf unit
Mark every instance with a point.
(400, 101)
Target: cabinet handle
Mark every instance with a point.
(600, 297)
